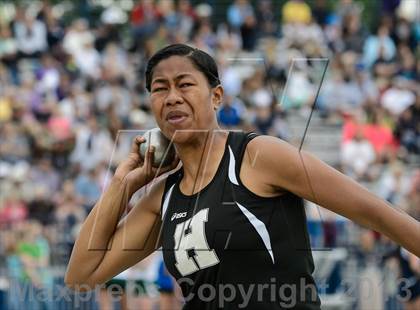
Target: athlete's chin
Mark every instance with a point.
(179, 133)
(182, 136)
(187, 135)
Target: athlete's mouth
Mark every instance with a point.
(176, 117)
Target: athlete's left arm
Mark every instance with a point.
(284, 167)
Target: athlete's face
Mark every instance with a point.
(182, 99)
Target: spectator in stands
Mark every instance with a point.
(88, 59)
(367, 86)
(112, 93)
(15, 270)
(300, 90)
(394, 185)
(185, 20)
(44, 174)
(357, 155)
(69, 212)
(9, 51)
(232, 112)
(93, 145)
(267, 25)
(30, 34)
(167, 13)
(354, 32)
(114, 61)
(346, 90)
(407, 129)
(41, 206)
(263, 118)
(398, 97)
(296, 11)
(249, 33)
(407, 63)
(238, 12)
(378, 132)
(48, 75)
(144, 20)
(34, 253)
(55, 27)
(409, 277)
(77, 36)
(321, 12)
(14, 145)
(403, 33)
(87, 187)
(379, 46)
(12, 210)
(204, 37)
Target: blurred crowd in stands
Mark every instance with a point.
(72, 95)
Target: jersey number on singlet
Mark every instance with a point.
(192, 251)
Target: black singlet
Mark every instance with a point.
(237, 250)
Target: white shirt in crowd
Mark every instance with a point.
(92, 148)
(31, 39)
(357, 155)
(396, 100)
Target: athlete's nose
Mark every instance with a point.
(173, 97)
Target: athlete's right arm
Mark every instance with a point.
(106, 246)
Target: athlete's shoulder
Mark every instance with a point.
(267, 143)
(236, 134)
(239, 139)
(284, 166)
(264, 145)
(270, 156)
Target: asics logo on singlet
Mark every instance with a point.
(178, 215)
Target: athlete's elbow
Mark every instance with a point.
(78, 284)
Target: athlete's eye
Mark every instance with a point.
(183, 85)
(158, 89)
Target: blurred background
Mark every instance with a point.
(72, 95)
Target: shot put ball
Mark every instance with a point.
(164, 153)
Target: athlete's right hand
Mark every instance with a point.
(136, 172)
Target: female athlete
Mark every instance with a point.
(230, 221)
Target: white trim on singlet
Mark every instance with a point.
(232, 165)
(166, 201)
(259, 227)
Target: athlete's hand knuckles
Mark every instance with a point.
(139, 140)
(136, 143)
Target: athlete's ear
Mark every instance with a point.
(217, 96)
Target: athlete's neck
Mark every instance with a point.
(201, 159)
